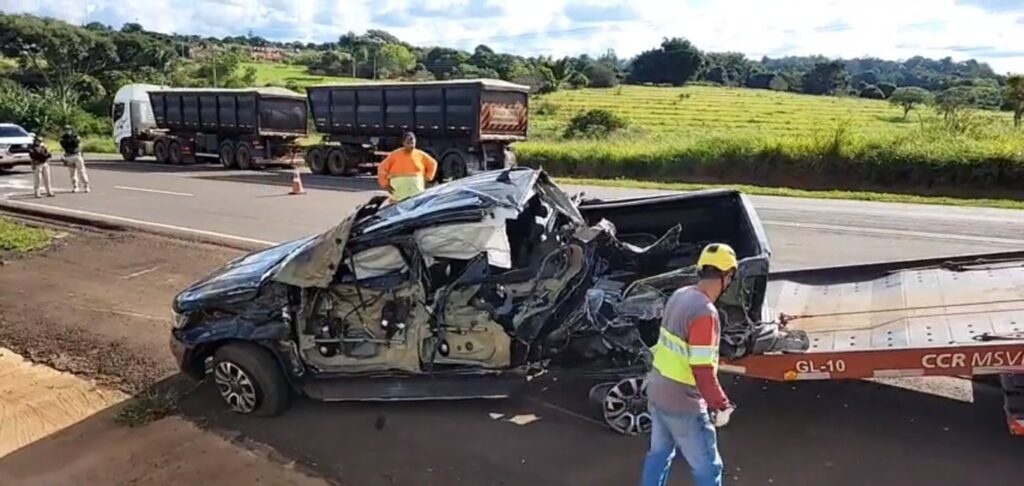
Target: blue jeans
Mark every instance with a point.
(692, 435)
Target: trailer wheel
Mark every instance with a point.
(315, 160)
(127, 150)
(453, 166)
(227, 155)
(160, 150)
(174, 153)
(337, 159)
(243, 156)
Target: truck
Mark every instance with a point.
(466, 125)
(241, 128)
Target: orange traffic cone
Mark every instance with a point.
(297, 183)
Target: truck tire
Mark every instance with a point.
(250, 380)
(453, 166)
(227, 155)
(160, 150)
(337, 160)
(316, 161)
(127, 150)
(243, 156)
(174, 153)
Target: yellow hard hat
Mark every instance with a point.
(718, 255)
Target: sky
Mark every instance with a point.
(988, 30)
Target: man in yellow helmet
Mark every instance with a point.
(683, 388)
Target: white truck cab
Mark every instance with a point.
(133, 120)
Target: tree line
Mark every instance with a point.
(52, 72)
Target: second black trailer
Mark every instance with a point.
(467, 125)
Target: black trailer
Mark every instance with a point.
(243, 128)
(467, 125)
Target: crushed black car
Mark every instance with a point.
(471, 289)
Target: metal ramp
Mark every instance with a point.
(953, 317)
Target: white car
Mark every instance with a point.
(14, 145)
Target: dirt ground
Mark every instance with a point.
(98, 304)
(97, 307)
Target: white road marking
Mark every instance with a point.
(120, 219)
(155, 191)
(893, 232)
(139, 273)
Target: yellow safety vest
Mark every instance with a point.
(674, 357)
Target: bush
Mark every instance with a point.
(578, 80)
(601, 76)
(594, 123)
(887, 88)
(872, 93)
(717, 74)
(925, 161)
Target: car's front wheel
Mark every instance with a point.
(249, 380)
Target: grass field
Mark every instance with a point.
(732, 135)
(276, 74)
(18, 238)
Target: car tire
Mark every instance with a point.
(160, 151)
(243, 156)
(174, 153)
(337, 161)
(226, 151)
(127, 150)
(249, 380)
(316, 161)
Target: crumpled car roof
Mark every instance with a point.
(469, 199)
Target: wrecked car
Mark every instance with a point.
(471, 289)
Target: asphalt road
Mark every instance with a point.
(802, 434)
(255, 207)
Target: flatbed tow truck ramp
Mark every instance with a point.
(961, 316)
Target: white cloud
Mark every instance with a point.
(988, 31)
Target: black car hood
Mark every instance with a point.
(239, 279)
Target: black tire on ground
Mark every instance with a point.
(227, 155)
(316, 161)
(247, 369)
(453, 166)
(174, 153)
(243, 156)
(160, 151)
(337, 160)
(127, 150)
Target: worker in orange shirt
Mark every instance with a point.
(406, 171)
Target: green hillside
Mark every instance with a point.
(277, 74)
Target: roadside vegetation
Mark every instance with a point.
(672, 113)
(18, 238)
(148, 406)
(708, 134)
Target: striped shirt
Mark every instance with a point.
(691, 315)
